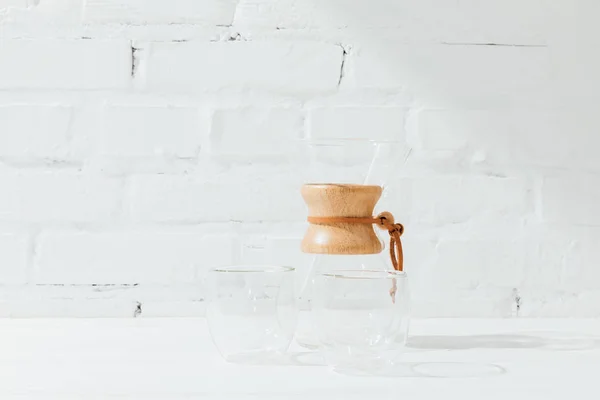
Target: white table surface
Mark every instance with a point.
(175, 359)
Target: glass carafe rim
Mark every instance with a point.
(253, 268)
(364, 274)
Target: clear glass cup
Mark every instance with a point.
(362, 317)
(306, 333)
(251, 311)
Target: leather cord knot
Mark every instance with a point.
(384, 220)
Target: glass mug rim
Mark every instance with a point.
(365, 274)
(253, 269)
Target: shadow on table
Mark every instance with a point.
(400, 369)
(539, 340)
(553, 341)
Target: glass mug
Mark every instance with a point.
(361, 317)
(251, 311)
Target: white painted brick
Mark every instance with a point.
(450, 200)
(575, 68)
(470, 21)
(453, 141)
(127, 257)
(189, 199)
(239, 134)
(555, 138)
(215, 12)
(558, 303)
(58, 197)
(34, 131)
(451, 75)
(102, 300)
(138, 137)
(276, 66)
(579, 258)
(152, 131)
(125, 166)
(458, 129)
(546, 263)
(376, 123)
(64, 64)
(33, 17)
(6, 4)
(470, 263)
(523, 137)
(14, 255)
(552, 262)
(572, 199)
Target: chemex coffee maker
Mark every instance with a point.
(345, 181)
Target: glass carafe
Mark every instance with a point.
(344, 178)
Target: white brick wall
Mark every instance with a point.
(450, 75)
(428, 20)
(58, 197)
(250, 133)
(14, 249)
(147, 257)
(151, 131)
(510, 137)
(142, 141)
(216, 12)
(571, 200)
(65, 64)
(165, 198)
(378, 123)
(442, 201)
(273, 66)
(34, 131)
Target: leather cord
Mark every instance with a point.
(384, 220)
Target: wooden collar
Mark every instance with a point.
(384, 220)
